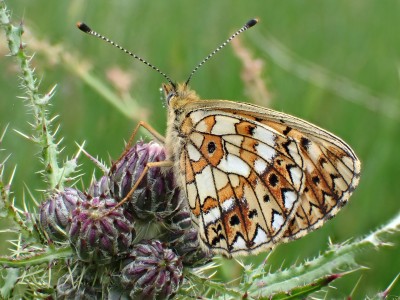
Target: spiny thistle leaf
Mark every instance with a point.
(54, 174)
(337, 258)
(11, 277)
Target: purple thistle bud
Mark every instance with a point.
(152, 271)
(186, 244)
(157, 195)
(100, 232)
(99, 188)
(76, 285)
(55, 213)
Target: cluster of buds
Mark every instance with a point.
(103, 225)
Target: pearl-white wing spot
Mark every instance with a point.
(261, 237)
(224, 125)
(294, 153)
(212, 215)
(233, 164)
(239, 244)
(204, 186)
(194, 154)
(277, 221)
(228, 204)
(267, 136)
(260, 166)
(265, 151)
(289, 198)
(296, 174)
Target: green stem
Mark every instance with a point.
(42, 134)
(49, 255)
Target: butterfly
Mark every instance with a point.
(253, 177)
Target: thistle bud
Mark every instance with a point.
(157, 195)
(99, 231)
(99, 188)
(55, 213)
(152, 271)
(188, 247)
(71, 286)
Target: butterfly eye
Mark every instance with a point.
(170, 96)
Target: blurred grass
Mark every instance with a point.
(358, 40)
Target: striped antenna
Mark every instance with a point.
(246, 26)
(85, 28)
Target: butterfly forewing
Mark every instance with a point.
(243, 180)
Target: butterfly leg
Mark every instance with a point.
(146, 126)
(156, 164)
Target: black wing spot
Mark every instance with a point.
(211, 147)
(287, 130)
(315, 179)
(266, 198)
(305, 143)
(218, 229)
(253, 213)
(322, 161)
(273, 179)
(234, 220)
(217, 239)
(250, 129)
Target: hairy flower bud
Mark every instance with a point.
(101, 232)
(100, 188)
(55, 213)
(187, 246)
(157, 195)
(76, 285)
(152, 271)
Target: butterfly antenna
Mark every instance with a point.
(246, 26)
(85, 28)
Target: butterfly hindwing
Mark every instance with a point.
(331, 169)
(243, 180)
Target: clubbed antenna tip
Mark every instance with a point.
(86, 29)
(83, 27)
(252, 22)
(246, 26)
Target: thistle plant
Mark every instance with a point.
(81, 244)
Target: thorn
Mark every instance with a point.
(52, 91)
(4, 133)
(386, 292)
(80, 150)
(355, 287)
(12, 176)
(99, 164)
(24, 135)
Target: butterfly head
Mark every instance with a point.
(177, 95)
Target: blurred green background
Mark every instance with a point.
(341, 73)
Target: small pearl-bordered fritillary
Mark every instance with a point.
(253, 177)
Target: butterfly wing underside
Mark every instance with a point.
(243, 179)
(331, 173)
